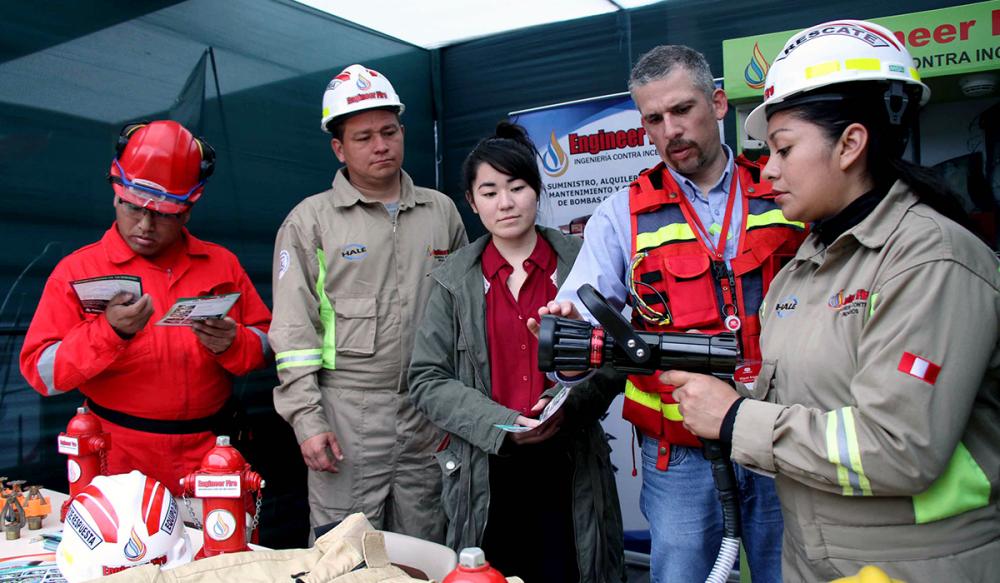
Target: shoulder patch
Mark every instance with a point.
(284, 261)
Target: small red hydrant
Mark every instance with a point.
(224, 483)
(87, 446)
(473, 568)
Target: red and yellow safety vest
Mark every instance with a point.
(680, 269)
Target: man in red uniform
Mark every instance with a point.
(161, 391)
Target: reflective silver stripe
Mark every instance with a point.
(298, 358)
(264, 345)
(47, 368)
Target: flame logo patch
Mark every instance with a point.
(135, 550)
(220, 525)
(363, 83)
(221, 531)
(554, 159)
(756, 70)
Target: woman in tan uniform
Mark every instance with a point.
(881, 408)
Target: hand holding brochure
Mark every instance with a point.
(554, 405)
(187, 311)
(95, 293)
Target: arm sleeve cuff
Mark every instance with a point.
(570, 381)
(753, 435)
(310, 425)
(726, 431)
(108, 336)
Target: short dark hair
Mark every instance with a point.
(510, 151)
(662, 60)
(336, 125)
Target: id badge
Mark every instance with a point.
(746, 372)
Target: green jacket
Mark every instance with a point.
(449, 381)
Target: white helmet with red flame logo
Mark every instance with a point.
(355, 89)
(119, 522)
(841, 51)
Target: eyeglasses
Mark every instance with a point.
(144, 191)
(136, 212)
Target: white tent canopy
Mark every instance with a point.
(435, 23)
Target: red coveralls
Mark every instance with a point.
(162, 373)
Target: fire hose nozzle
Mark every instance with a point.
(564, 344)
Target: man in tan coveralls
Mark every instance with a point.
(349, 289)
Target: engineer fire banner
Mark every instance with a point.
(587, 151)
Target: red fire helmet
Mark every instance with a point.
(161, 166)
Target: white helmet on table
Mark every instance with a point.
(119, 522)
(355, 89)
(840, 51)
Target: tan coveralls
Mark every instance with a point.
(350, 285)
(881, 372)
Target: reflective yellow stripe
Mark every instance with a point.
(914, 74)
(833, 453)
(863, 64)
(963, 486)
(293, 358)
(822, 69)
(634, 393)
(842, 450)
(326, 315)
(666, 234)
(326, 111)
(871, 304)
(854, 452)
(652, 401)
(771, 217)
(672, 411)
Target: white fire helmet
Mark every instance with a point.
(355, 89)
(119, 522)
(840, 51)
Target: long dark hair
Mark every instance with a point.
(864, 102)
(508, 150)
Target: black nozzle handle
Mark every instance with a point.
(615, 324)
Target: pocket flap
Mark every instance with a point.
(686, 266)
(448, 461)
(355, 307)
(762, 385)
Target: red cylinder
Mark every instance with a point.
(473, 568)
(86, 444)
(223, 482)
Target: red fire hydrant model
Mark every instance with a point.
(473, 568)
(224, 483)
(87, 446)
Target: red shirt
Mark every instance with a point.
(517, 382)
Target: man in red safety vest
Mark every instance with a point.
(692, 244)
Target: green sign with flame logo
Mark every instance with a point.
(948, 41)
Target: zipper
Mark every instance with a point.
(477, 536)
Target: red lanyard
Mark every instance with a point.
(730, 316)
(703, 235)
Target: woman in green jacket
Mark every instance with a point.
(542, 502)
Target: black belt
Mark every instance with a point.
(212, 423)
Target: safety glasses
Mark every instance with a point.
(145, 191)
(136, 213)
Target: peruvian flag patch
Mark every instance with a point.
(921, 368)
